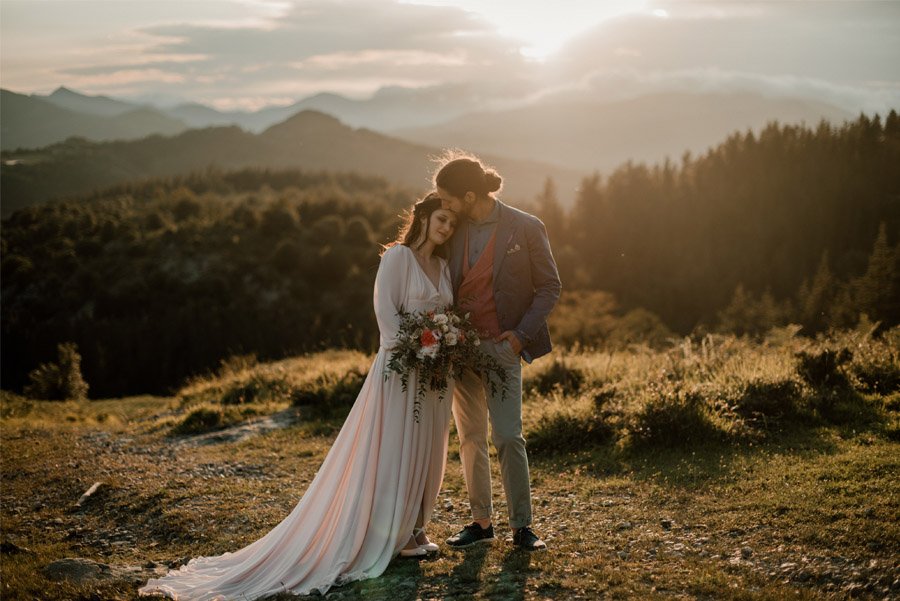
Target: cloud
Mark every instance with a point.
(842, 53)
(348, 46)
(850, 42)
(611, 85)
(249, 50)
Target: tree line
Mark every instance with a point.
(158, 280)
(790, 225)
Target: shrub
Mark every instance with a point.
(257, 389)
(639, 326)
(207, 419)
(61, 380)
(566, 432)
(235, 364)
(876, 363)
(13, 405)
(833, 397)
(764, 400)
(604, 397)
(822, 369)
(673, 417)
(892, 427)
(559, 376)
(327, 394)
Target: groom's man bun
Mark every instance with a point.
(492, 180)
(459, 172)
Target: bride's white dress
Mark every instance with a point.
(379, 480)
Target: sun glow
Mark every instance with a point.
(542, 27)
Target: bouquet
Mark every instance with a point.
(439, 343)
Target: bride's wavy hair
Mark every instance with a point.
(412, 229)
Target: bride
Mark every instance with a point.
(376, 489)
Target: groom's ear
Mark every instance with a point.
(470, 198)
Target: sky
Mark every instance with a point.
(248, 54)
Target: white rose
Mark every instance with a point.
(477, 342)
(445, 328)
(440, 319)
(450, 339)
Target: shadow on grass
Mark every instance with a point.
(465, 578)
(682, 439)
(691, 464)
(400, 582)
(513, 576)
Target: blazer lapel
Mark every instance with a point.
(505, 230)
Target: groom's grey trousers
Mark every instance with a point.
(471, 395)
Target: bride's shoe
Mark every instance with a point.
(413, 551)
(430, 547)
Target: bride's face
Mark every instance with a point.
(441, 226)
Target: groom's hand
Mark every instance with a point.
(514, 341)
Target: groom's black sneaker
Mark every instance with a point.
(526, 539)
(471, 534)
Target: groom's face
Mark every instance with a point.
(453, 203)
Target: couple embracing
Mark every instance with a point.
(374, 494)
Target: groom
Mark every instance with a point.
(504, 274)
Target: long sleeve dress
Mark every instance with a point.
(379, 480)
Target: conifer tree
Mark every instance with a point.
(877, 291)
(551, 213)
(814, 300)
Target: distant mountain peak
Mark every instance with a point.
(305, 120)
(312, 115)
(64, 91)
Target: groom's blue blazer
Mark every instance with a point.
(526, 281)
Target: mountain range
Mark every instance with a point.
(579, 130)
(309, 140)
(34, 122)
(392, 134)
(596, 135)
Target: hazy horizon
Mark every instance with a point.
(250, 54)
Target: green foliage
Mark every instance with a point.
(826, 372)
(766, 400)
(594, 319)
(328, 395)
(559, 376)
(562, 432)
(157, 281)
(822, 369)
(61, 380)
(258, 389)
(673, 416)
(759, 211)
(719, 389)
(877, 291)
(14, 405)
(876, 364)
(207, 419)
(746, 314)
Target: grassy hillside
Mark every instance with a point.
(714, 469)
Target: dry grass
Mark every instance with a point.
(805, 510)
